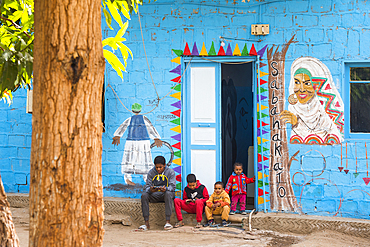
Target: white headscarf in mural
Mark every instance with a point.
(320, 117)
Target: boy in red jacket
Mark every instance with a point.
(194, 198)
(238, 183)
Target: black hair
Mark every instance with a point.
(220, 183)
(160, 160)
(238, 164)
(137, 112)
(191, 178)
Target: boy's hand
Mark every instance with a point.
(188, 201)
(152, 189)
(214, 206)
(162, 189)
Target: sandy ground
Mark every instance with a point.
(119, 235)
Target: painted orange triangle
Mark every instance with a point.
(253, 51)
(187, 50)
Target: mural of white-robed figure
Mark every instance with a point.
(315, 108)
(137, 156)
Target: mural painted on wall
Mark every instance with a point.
(315, 108)
(137, 156)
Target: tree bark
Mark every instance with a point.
(66, 193)
(8, 236)
(282, 196)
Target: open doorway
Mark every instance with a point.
(237, 122)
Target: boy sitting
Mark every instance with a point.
(194, 198)
(218, 203)
(238, 183)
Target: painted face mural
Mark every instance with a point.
(315, 108)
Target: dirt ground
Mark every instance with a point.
(120, 235)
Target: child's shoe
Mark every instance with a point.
(210, 222)
(224, 223)
(244, 213)
(232, 213)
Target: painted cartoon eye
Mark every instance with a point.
(297, 81)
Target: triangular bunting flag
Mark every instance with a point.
(366, 180)
(187, 50)
(253, 52)
(229, 52)
(262, 65)
(177, 113)
(178, 186)
(221, 52)
(262, 107)
(195, 52)
(177, 129)
(177, 79)
(260, 192)
(262, 115)
(177, 87)
(262, 51)
(346, 171)
(176, 121)
(177, 154)
(263, 139)
(203, 52)
(236, 51)
(212, 51)
(263, 123)
(176, 95)
(356, 174)
(245, 51)
(260, 158)
(263, 132)
(176, 60)
(264, 149)
(262, 82)
(177, 137)
(261, 200)
(262, 74)
(177, 52)
(259, 167)
(262, 90)
(340, 168)
(262, 97)
(177, 161)
(260, 184)
(177, 104)
(178, 178)
(260, 175)
(176, 70)
(177, 145)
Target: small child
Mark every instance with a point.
(194, 198)
(218, 203)
(238, 183)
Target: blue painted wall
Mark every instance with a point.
(332, 31)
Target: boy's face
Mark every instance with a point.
(159, 167)
(218, 189)
(238, 170)
(192, 185)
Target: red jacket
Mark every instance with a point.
(199, 187)
(238, 184)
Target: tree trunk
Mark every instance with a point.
(66, 193)
(282, 196)
(8, 236)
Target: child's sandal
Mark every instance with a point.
(199, 225)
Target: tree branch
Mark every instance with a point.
(15, 25)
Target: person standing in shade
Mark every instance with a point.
(137, 156)
(160, 187)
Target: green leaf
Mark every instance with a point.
(9, 75)
(115, 62)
